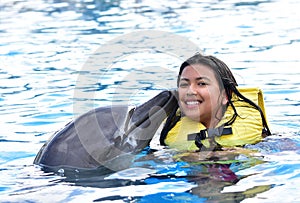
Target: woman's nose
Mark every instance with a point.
(192, 90)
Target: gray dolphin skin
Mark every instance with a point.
(106, 136)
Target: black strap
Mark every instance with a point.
(170, 123)
(209, 133)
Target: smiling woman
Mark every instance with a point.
(200, 97)
(212, 112)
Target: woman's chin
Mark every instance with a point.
(193, 117)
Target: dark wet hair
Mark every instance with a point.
(226, 81)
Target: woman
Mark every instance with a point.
(212, 111)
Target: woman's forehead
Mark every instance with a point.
(198, 70)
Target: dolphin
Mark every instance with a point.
(107, 136)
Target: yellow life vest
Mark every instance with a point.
(246, 129)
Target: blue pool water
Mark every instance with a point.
(47, 45)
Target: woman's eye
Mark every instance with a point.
(201, 83)
(183, 84)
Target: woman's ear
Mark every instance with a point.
(224, 97)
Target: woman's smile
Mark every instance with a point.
(193, 103)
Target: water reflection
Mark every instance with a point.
(45, 43)
(198, 182)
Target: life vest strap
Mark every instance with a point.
(210, 133)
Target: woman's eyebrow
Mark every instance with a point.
(203, 78)
(184, 79)
(198, 78)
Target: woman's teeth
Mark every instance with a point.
(192, 102)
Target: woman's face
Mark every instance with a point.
(200, 97)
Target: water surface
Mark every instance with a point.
(45, 45)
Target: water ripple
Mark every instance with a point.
(43, 49)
